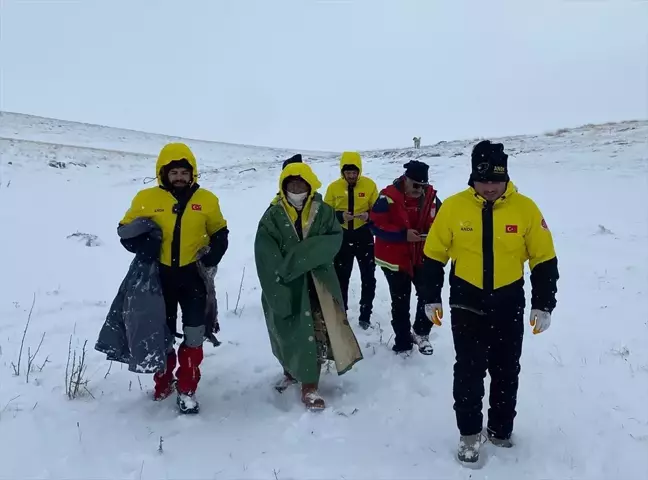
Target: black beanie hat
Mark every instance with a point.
(182, 163)
(350, 167)
(294, 159)
(489, 163)
(417, 171)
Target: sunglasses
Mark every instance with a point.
(417, 186)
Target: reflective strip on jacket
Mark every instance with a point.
(390, 222)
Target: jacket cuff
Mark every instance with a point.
(544, 285)
(218, 245)
(433, 277)
(400, 236)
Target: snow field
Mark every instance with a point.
(584, 382)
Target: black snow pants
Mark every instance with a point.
(184, 286)
(487, 342)
(400, 289)
(359, 245)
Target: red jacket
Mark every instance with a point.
(391, 216)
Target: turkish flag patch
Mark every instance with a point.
(195, 206)
(361, 194)
(511, 229)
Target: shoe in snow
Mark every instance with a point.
(423, 343)
(365, 324)
(188, 404)
(402, 346)
(286, 381)
(500, 442)
(468, 452)
(311, 398)
(160, 394)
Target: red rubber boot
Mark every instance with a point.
(164, 380)
(188, 375)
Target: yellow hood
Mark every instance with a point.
(304, 171)
(299, 170)
(351, 158)
(175, 151)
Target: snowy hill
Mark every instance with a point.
(583, 391)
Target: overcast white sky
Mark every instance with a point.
(337, 74)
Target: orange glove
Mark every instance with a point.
(434, 311)
(540, 321)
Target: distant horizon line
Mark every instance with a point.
(190, 139)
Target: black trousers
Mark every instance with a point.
(493, 343)
(400, 289)
(185, 287)
(359, 245)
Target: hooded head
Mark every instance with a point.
(351, 167)
(175, 156)
(297, 185)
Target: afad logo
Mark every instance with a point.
(197, 207)
(544, 224)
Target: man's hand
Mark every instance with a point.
(413, 236)
(434, 311)
(363, 216)
(540, 321)
(347, 216)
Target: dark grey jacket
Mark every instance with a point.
(135, 331)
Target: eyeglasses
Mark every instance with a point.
(417, 186)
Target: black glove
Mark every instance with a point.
(218, 245)
(146, 246)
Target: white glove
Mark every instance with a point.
(540, 321)
(434, 312)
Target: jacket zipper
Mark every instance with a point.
(488, 252)
(175, 243)
(351, 207)
(179, 209)
(416, 249)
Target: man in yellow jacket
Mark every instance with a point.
(352, 196)
(192, 226)
(489, 231)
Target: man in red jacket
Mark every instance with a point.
(401, 218)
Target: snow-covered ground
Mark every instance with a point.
(584, 383)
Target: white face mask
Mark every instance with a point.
(296, 199)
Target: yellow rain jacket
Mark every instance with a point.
(186, 232)
(345, 198)
(489, 247)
